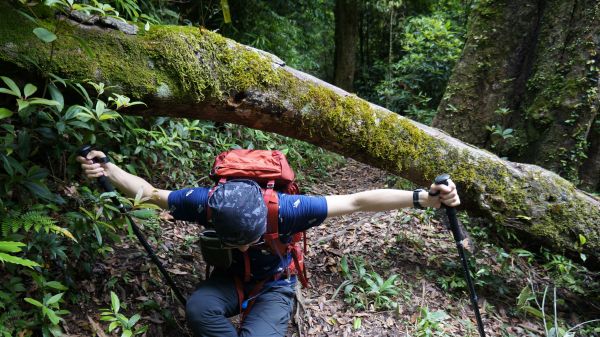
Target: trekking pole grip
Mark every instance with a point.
(102, 180)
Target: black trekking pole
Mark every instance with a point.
(107, 186)
(458, 238)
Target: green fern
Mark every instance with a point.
(32, 220)
(14, 247)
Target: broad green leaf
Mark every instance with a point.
(14, 88)
(109, 115)
(126, 333)
(55, 285)
(5, 113)
(56, 331)
(100, 105)
(9, 92)
(44, 34)
(57, 96)
(51, 315)
(43, 101)
(582, 240)
(34, 302)
(134, 319)
(29, 90)
(17, 260)
(357, 323)
(11, 246)
(115, 303)
(54, 299)
(143, 213)
(113, 326)
(22, 104)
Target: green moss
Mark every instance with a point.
(206, 64)
(190, 62)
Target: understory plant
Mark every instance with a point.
(367, 290)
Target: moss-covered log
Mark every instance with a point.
(539, 60)
(194, 73)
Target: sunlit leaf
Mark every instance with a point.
(44, 34)
(115, 303)
(14, 89)
(54, 299)
(29, 89)
(5, 113)
(34, 302)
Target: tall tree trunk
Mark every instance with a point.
(194, 73)
(346, 40)
(539, 59)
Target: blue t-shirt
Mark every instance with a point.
(297, 213)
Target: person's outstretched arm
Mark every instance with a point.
(126, 183)
(388, 199)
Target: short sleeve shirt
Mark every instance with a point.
(297, 213)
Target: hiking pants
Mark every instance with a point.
(216, 299)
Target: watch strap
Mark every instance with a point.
(416, 202)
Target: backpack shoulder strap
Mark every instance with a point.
(272, 234)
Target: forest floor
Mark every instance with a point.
(409, 243)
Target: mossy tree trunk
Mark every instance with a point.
(194, 73)
(539, 60)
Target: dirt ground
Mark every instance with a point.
(409, 243)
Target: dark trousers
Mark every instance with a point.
(216, 299)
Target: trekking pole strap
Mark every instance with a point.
(107, 186)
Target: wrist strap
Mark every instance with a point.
(416, 202)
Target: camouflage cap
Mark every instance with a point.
(239, 212)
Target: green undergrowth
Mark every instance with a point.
(527, 283)
(56, 226)
(520, 279)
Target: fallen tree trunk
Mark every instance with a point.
(194, 73)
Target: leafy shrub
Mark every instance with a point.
(430, 50)
(367, 290)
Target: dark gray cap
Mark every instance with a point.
(238, 211)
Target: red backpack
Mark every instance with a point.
(270, 169)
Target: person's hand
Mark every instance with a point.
(91, 169)
(448, 195)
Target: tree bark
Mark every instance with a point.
(346, 40)
(194, 73)
(539, 59)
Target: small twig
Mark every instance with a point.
(300, 306)
(555, 314)
(581, 324)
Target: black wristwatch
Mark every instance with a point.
(416, 202)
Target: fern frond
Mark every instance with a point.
(62, 231)
(37, 220)
(33, 220)
(11, 246)
(5, 226)
(17, 260)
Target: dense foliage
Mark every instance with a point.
(55, 226)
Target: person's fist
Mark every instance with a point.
(447, 195)
(91, 169)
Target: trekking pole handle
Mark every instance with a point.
(102, 180)
(442, 179)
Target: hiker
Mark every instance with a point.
(258, 283)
